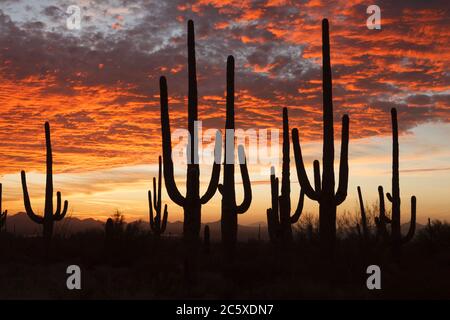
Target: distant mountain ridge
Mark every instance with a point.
(22, 225)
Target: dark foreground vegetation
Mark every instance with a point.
(134, 264)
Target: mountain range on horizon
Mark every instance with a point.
(20, 224)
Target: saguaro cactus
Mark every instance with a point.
(396, 237)
(230, 209)
(3, 214)
(324, 191)
(382, 219)
(157, 225)
(49, 217)
(279, 217)
(365, 229)
(192, 202)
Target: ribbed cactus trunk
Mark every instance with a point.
(192, 201)
(396, 237)
(49, 217)
(230, 210)
(324, 191)
(279, 219)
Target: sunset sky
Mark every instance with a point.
(98, 88)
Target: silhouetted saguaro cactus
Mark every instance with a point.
(396, 237)
(192, 202)
(324, 191)
(382, 219)
(230, 209)
(365, 229)
(279, 217)
(49, 217)
(3, 214)
(157, 225)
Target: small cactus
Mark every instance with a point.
(157, 225)
(382, 219)
(49, 217)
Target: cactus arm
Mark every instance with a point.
(26, 199)
(317, 182)
(169, 178)
(301, 172)
(383, 216)
(155, 201)
(389, 196)
(58, 204)
(274, 194)
(412, 225)
(299, 210)
(215, 176)
(243, 207)
(164, 220)
(58, 214)
(150, 207)
(159, 184)
(341, 193)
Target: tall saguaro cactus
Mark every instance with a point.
(192, 201)
(396, 237)
(49, 217)
(324, 190)
(3, 214)
(279, 217)
(157, 225)
(230, 209)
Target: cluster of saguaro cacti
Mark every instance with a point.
(395, 239)
(230, 209)
(3, 214)
(279, 217)
(324, 188)
(157, 225)
(49, 217)
(192, 201)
